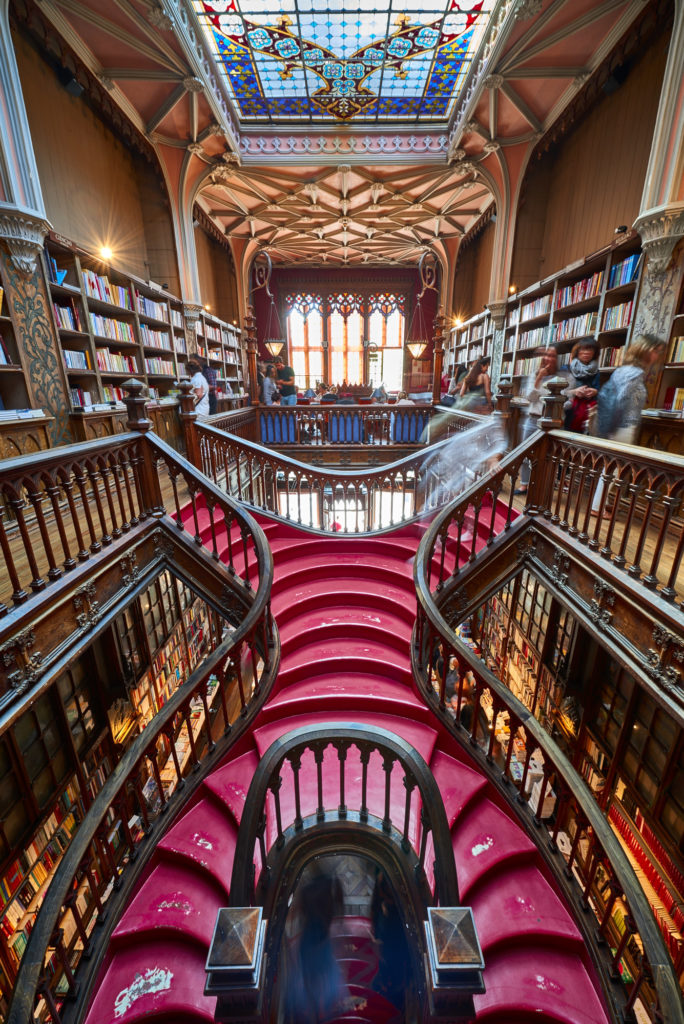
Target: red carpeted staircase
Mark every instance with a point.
(345, 609)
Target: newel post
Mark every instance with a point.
(438, 356)
(252, 352)
(189, 419)
(552, 416)
(145, 463)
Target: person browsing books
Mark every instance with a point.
(200, 387)
(286, 383)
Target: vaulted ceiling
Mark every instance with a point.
(341, 194)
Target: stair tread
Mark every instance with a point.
(164, 977)
(175, 898)
(343, 685)
(545, 983)
(206, 837)
(230, 782)
(458, 783)
(486, 838)
(521, 903)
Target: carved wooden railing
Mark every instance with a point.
(447, 554)
(338, 501)
(337, 755)
(118, 490)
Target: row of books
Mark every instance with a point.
(177, 318)
(114, 362)
(46, 844)
(148, 307)
(76, 360)
(674, 399)
(114, 330)
(618, 316)
(677, 350)
(113, 394)
(587, 288)
(538, 307)
(80, 398)
(4, 354)
(574, 327)
(67, 317)
(163, 367)
(612, 356)
(98, 286)
(154, 339)
(527, 366)
(181, 345)
(625, 271)
(534, 338)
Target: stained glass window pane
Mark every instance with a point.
(373, 60)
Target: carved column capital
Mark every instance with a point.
(661, 229)
(24, 233)
(497, 311)
(192, 311)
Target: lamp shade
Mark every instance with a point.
(416, 348)
(274, 346)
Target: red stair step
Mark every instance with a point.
(486, 839)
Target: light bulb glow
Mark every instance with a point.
(106, 252)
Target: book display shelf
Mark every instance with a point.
(219, 343)
(670, 385)
(592, 299)
(626, 747)
(13, 391)
(468, 341)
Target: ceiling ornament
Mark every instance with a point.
(340, 64)
(493, 81)
(528, 8)
(379, 147)
(159, 19)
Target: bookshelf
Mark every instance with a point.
(14, 393)
(669, 389)
(468, 341)
(591, 299)
(112, 325)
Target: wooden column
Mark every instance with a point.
(438, 356)
(145, 464)
(188, 419)
(252, 352)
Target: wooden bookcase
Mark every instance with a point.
(468, 341)
(592, 299)
(13, 391)
(112, 326)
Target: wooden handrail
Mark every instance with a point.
(272, 482)
(341, 736)
(438, 606)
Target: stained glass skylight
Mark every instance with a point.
(343, 61)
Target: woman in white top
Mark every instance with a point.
(269, 385)
(200, 388)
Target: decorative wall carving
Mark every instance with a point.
(659, 659)
(163, 548)
(660, 231)
(378, 146)
(658, 297)
(24, 234)
(84, 598)
(603, 600)
(560, 568)
(130, 571)
(28, 663)
(29, 305)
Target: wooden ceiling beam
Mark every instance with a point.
(165, 109)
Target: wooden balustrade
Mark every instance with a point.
(340, 501)
(565, 469)
(332, 754)
(135, 806)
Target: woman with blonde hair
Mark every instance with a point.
(623, 397)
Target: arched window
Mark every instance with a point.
(345, 335)
(386, 333)
(305, 338)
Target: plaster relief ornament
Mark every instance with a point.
(348, 80)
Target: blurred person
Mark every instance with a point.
(211, 377)
(286, 383)
(534, 391)
(269, 385)
(389, 935)
(476, 390)
(584, 385)
(200, 387)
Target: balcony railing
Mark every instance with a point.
(646, 492)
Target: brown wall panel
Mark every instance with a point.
(96, 191)
(471, 286)
(216, 276)
(592, 181)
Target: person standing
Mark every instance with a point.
(200, 387)
(535, 391)
(476, 391)
(286, 383)
(211, 377)
(269, 385)
(621, 400)
(584, 385)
